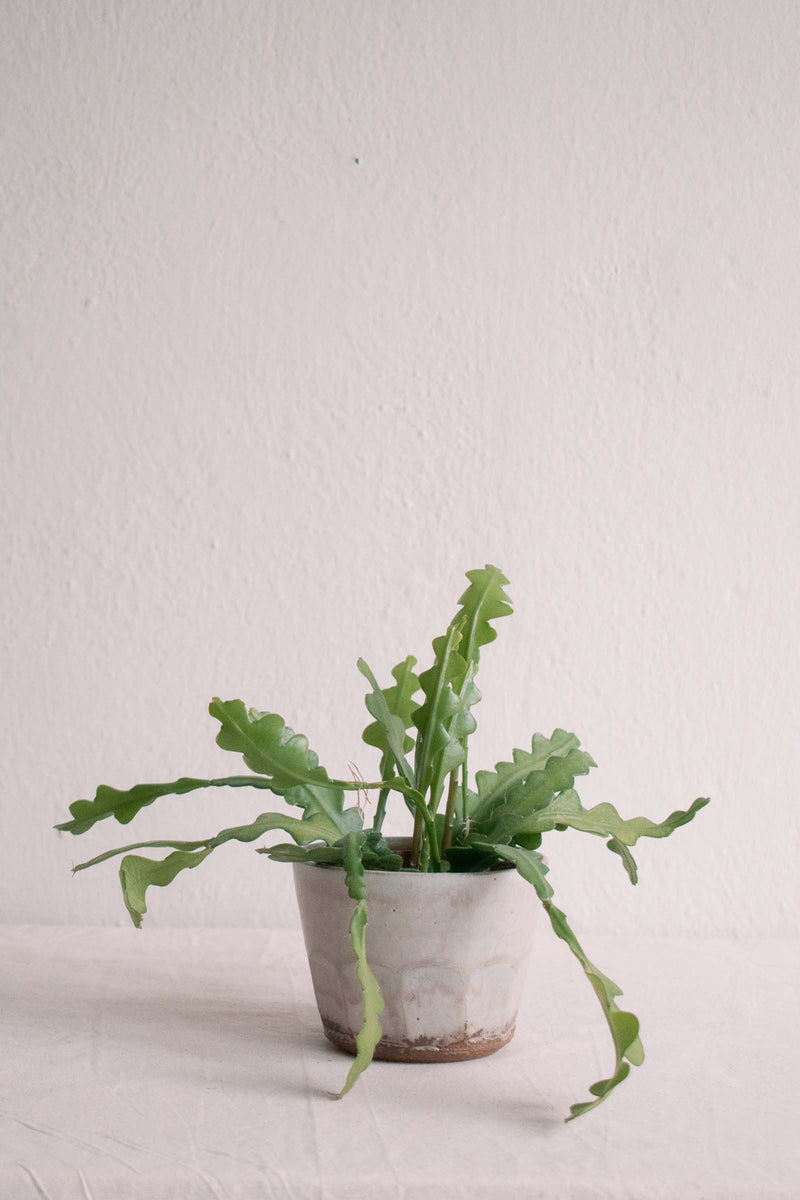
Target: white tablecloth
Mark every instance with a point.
(170, 1064)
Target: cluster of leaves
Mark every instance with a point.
(429, 718)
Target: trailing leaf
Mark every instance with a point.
(392, 709)
(124, 805)
(161, 844)
(275, 751)
(530, 865)
(566, 810)
(508, 818)
(624, 1026)
(370, 1033)
(307, 830)
(628, 861)
(137, 874)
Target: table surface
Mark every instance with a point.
(191, 1063)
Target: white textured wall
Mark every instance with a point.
(309, 308)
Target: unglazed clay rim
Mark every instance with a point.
(421, 1051)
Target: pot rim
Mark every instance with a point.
(401, 843)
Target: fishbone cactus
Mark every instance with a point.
(428, 717)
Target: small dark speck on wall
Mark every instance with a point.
(355, 160)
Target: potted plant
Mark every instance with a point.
(450, 920)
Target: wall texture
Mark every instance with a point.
(312, 306)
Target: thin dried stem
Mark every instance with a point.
(450, 810)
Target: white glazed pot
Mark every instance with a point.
(449, 951)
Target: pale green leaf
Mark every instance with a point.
(508, 817)
(137, 874)
(400, 703)
(496, 786)
(624, 1026)
(304, 831)
(376, 854)
(288, 852)
(125, 804)
(444, 721)
(604, 820)
(530, 865)
(628, 861)
(309, 829)
(459, 725)
(482, 602)
(370, 1033)
(392, 709)
(275, 751)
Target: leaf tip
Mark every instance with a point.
(353, 1075)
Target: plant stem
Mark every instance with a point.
(422, 815)
(464, 783)
(380, 811)
(449, 812)
(416, 844)
(425, 850)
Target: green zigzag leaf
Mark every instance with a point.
(137, 873)
(370, 1033)
(482, 602)
(604, 820)
(444, 719)
(275, 751)
(509, 779)
(399, 703)
(624, 1026)
(393, 710)
(125, 804)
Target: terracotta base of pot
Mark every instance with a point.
(421, 1051)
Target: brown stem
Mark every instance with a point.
(416, 845)
(449, 812)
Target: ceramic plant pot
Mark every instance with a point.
(448, 950)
